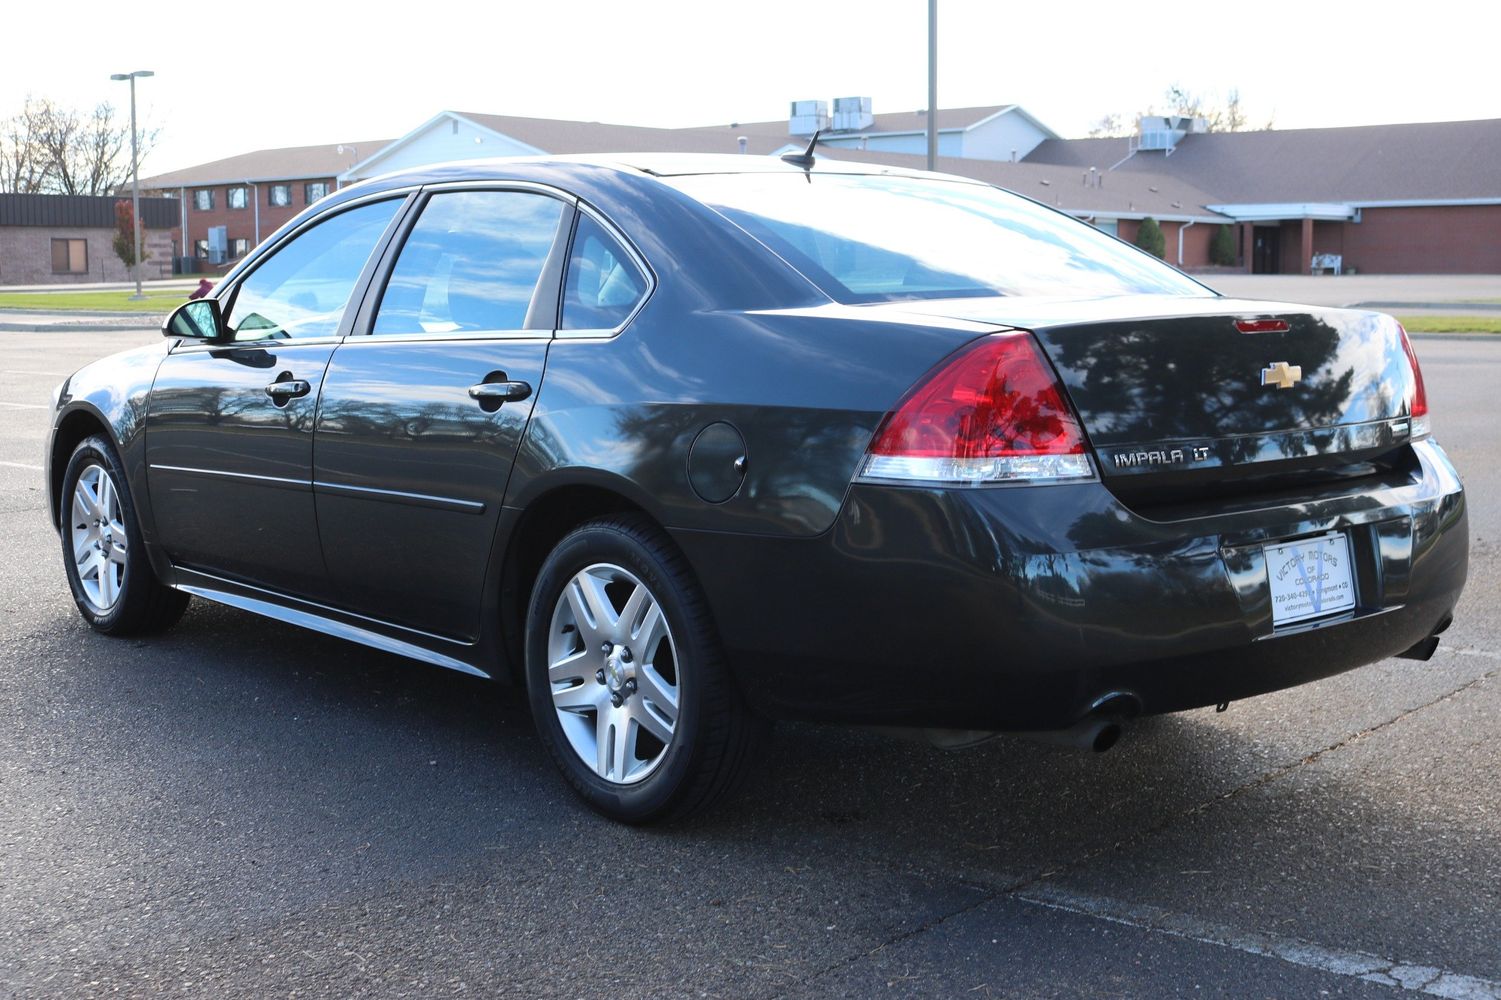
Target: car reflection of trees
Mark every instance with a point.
(1139, 384)
(799, 463)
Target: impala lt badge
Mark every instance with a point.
(1281, 374)
(1160, 456)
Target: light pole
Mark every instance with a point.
(932, 83)
(135, 177)
(353, 151)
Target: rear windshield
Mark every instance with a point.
(874, 238)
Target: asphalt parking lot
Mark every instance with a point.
(240, 808)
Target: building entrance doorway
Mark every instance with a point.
(1264, 253)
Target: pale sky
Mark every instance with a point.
(235, 77)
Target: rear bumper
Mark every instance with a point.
(1019, 608)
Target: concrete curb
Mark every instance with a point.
(6, 327)
(1460, 308)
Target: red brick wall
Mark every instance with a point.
(1452, 239)
(240, 223)
(1195, 240)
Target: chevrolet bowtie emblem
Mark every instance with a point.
(1281, 374)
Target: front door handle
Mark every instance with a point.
(500, 392)
(288, 389)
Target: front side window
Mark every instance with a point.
(279, 195)
(303, 288)
(603, 284)
(203, 199)
(472, 263)
(236, 197)
(311, 192)
(870, 238)
(70, 256)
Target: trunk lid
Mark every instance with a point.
(1171, 391)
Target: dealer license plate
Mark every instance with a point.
(1310, 578)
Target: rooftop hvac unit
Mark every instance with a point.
(852, 114)
(808, 117)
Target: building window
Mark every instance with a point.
(311, 192)
(279, 195)
(203, 200)
(200, 248)
(239, 247)
(70, 257)
(236, 197)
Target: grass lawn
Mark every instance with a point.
(157, 302)
(1451, 324)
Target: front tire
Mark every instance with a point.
(626, 679)
(105, 559)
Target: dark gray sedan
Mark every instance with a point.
(682, 445)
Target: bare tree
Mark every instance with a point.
(1226, 115)
(1111, 126)
(23, 170)
(1221, 115)
(49, 148)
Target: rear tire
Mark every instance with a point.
(626, 679)
(113, 584)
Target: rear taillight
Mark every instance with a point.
(992, 413)
(1419, 408)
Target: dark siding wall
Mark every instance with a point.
(80, 211)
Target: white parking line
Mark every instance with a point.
(22, 465)
(25, 406)
(20, 371)
(1425, 979)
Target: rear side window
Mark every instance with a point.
(302, 290)
(472, 263)
(604, 284)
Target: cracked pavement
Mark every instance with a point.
(241, 808)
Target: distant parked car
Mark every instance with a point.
(683, 444)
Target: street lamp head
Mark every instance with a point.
(131, 76)
(119, 76)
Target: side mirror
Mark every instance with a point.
(200, 319)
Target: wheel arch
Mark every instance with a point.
(81, 422)
(543, 522)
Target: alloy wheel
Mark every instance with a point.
(100, 548)
(613, 673)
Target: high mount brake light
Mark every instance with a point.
(992, 413)
(1419, 409)
(1262, 325)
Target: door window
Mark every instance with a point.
(472, 263)
(603, 284)
(303, 289)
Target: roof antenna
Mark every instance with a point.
(805, 158)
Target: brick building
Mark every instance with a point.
(1416, 199)
(54, 239)
(1420, 198)
(225, 207)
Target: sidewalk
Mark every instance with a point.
(1461, 294)
(17, 321)
(160, 284)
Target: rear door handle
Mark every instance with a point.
(500, 392)
(288, 389)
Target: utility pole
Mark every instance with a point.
(932, 83)
(135, 177)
